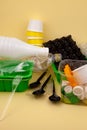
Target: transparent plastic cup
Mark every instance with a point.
(35, 26)
(35, 32)
(78, 93)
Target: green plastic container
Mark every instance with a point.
(10, 69)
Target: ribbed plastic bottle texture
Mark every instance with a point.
(15, 48)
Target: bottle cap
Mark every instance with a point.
(86, 92)
(78, 91)
(57, 57)
(68, 89)
(64, 83)
(35, 25)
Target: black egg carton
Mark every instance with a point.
(66, 46)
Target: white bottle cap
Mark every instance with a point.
(78, 91)
(64, 83)
(86, 92)
(68, 89)
(35, 25)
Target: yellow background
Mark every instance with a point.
(60, 18)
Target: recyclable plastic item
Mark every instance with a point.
(14, 48)
(80, 74)
(9, 69)
(35, 25)
(56, 78)
(69, 75)
(35, 32)
(37, 82)
(42, 63)
(54, 97)
(68, 89)
(73, 94)
(79, 92)
(41, 91)
(15, 83)
(67, 94)
(66, 46)
(85, 92)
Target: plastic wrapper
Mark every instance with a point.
(43, 62)
(40, 62)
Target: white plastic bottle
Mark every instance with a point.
(15, 48)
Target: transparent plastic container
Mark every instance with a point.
(76, 94)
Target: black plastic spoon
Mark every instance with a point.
(37, 82)
(54, 97)
(41, 91)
